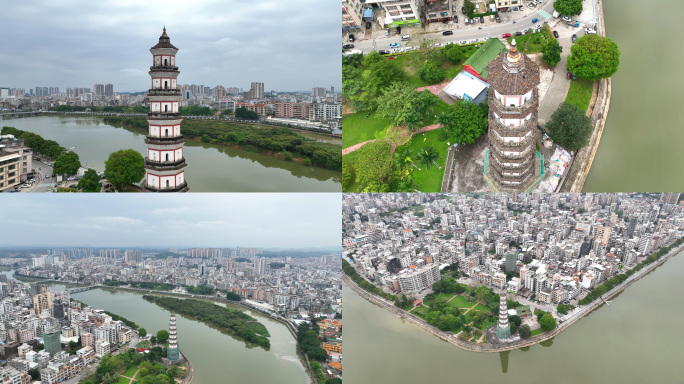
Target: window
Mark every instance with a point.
(165, 61)
(166, 84)
(166, 108)
(167, 184)
(166, 132)
(167, 157)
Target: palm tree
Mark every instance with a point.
(427, 156)
(406, 185)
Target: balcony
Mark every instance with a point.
(521, 163)
(505, 111)
(511, 144)
(164, 140)
(164, 115)
(164, 91)
(163, 68)
(164, 165)
(179, 188)
(498, 151)
(507, 130)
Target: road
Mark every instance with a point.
(523, 21)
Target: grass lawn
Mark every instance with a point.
(579, 93)
(428, 180)
(410, 64)
(123, 380)
(421, 311)
(531, 42)
(258, 328)
(459, 302)
(537, 331)
(480, 307)
(130, 371)
(357, 128)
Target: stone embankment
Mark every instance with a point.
(583, 160)
(474, 347)
(189, 372)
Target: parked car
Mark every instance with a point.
(518, 33)
(531, 5)
(555, 34)
(498, 19)
(386, 32)
(447, 33)
(351, 38)
(348, 46)
(405, 37)
(574, 38)
(368, 25)
(395, 45)
(462, 42)
(455, 19)
(481, 19)
(463, 10)
(398, 30)
(384, 52)
(505, 35)
(453, 8)
(467, 21)
(565, 18)
(589, 31)
(397, 50)
(47, 175)
(445, 21)
(535, 20)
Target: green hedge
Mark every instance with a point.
(483, 14)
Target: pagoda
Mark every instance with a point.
(164, 164)
(512, 162)
(503, 329)
(172, 351)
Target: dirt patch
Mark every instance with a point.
(469, 167)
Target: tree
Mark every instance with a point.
(562, 308)
(453, 53)
(515, 320)
(551, 52)
(142, 332)
(431, 72)
(244, 113)
(162, 335)
(424, 44)
(594, 57)
(124, 167)
(569, 127)
(67, 164)
(153, 339)
(336, 380)
(464, 122)
(90, 182)
(469, 7)
(35, 374)
(401, 104)
(524, 331)
(568, 7)
(547, 322)
(372, 165)
(428, 156)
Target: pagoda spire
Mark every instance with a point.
(503, 329)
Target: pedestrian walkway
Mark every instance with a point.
(543, 14)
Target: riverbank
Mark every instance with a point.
(274, 141)
(583, 160)
(473, 347)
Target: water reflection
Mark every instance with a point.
(503, 356)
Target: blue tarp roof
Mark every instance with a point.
(368, 12)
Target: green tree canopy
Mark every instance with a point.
(469, 7)
(547, 322)
(569, 127)
(427, 156)
(568, 7)
(153, 339)
(524, 331)
(373, 163)
(124, 167)
(401, 104)
(90, 182)
(142, 332)
(453, 53)
(67, 164)
(162, 335)
(431, 72)
(464, 122)
(244, 113)
(551, 52)
(594, 57)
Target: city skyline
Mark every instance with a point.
(109, 42)
(204, 220)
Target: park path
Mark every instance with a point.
(130, 379)
(453, 297)
(354, 147)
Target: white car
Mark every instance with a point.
(589, 31)
(397, 50)
(473, 41)
(462, 42)
(26, 186)
(531, 5)
(565, 18)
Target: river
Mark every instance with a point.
(641, 147)
(631, 340)
(211, 168)
(216, 358)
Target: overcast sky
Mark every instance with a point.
(269, 220)
(287, 45)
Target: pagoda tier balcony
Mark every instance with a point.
(162, 68)
(508, 180)
(163, 115)
(164, 165)
(179, 188)
(512, 164)
(512, 131)
(164, 140)
(509, 112)
(164, 91)
(499, 151)
(523, 140)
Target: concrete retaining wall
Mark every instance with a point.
(449, 170)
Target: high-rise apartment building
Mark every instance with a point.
(256, 91)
